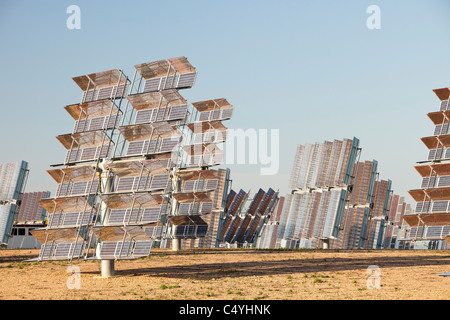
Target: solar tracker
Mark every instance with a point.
(134, 172)
(431, 219)
(322, 180)
(242, 224)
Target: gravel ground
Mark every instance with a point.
(230, 274)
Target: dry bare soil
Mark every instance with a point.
(233, 274)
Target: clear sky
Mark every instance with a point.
(311, 69)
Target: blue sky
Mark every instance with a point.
(311, 69)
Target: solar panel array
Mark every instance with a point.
(241, 224)
(320, 181)
(334, 199)
(135, 169)
(431, 219)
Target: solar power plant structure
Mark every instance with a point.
(30, 209)
(359, 207)
(13, 177)
(431, 219)
(137, 167)
(321, 181)
(213, 219)
(372, 231)
(268, 238)
(244, 218)
(394, 224)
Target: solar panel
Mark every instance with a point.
(137, 215)
(85, 154)
(252, 229)
(61, 251)
(71, 219)
(195, 208)
(126, 200)
(237, 202)
(232, 229)
(154, 232)
(199, 185)
(77, 188)
(216, 109)
(188, 227)
(167, 74)
(268, 197)
(159, 182)
(230, 198)
(241, 230)
(256, 202)
(225, 224)
(115, 250)
(100, 80)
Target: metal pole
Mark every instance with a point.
(107, 266)
(176, 244)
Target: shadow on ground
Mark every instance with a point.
(209, 270)
(259, 266)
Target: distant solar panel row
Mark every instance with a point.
(245, 228)
(267, 200)
(240, 230)
(235, 223)
(238, 201)
(254, 226)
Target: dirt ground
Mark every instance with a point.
(233, 274)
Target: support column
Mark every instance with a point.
(107, 266)
(176, 244)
